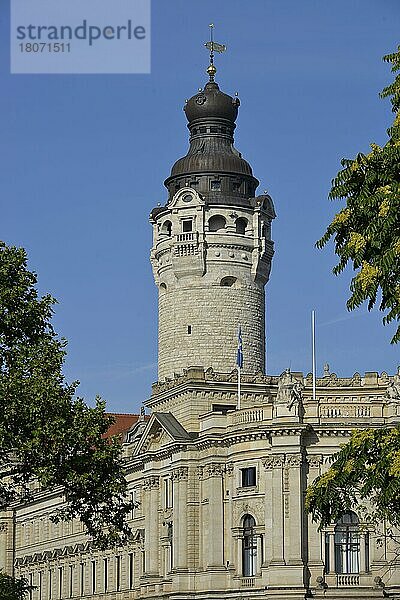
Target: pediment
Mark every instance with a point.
(162, 430)
(184, 197)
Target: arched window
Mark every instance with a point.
(216, 223)
(347, 544)
(167, 228)
(241, 225)
(249, 547)
(228, 281)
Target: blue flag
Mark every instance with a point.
(239, 356)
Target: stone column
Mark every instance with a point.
(151, 489)
(214, 526)
(6, 542)
(229, 549)
(363, 562)
(294, 510)
(331, 565)
(180, 524)
(316, 550)
(268, 465)
(274, 466)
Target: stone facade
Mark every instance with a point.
(219, 487)
(197, 485)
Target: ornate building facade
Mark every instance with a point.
(219, 484)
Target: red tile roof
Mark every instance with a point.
(123, 422)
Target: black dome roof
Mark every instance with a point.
(211, 102)
(212, 157)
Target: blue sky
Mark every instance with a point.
(84, 157)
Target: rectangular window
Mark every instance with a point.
(71, 581)
(118, 573)
(215, 185)
(105, 573)
(187, 225)
(31, 585)
(82, 578)
(189, 329)
(93, 576)
(40, 586)
(168, 491)
(131, 565)
(248, 477)
(50, 583)
(60, 581)
(133, 499)
(327, 554)
(143, 562)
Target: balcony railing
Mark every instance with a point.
(347, 580)
(248, 582)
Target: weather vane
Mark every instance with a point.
(213, 47)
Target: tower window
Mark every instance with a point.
(228, 281)
(187, 225)
(203, 129)
(167, 228)
(215, 185)
(213, 129)
(248, 477)
(241, 225)
(216, 223)
(189, 329)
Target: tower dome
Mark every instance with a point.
(211, 102)
(211, 116)
(212, 247)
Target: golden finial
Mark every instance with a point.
(213, 47)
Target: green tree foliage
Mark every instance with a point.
(48, 436)
(367, 231)
(13, 589)
(365, 476)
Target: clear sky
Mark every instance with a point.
(84, 157)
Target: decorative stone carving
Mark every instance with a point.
(285, 385)
(286, 505)
(285, 483)
(213, 470)
(294, 460)
(152, 482)
(315, 461)
(393, 388)
(180, 474)
(274, 462)
(289, 391)
(296, 396)
(229, 469)
(356, 380)
(253, 507)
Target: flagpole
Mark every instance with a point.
(238, 405)
(313, 354)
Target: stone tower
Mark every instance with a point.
(212, 247)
